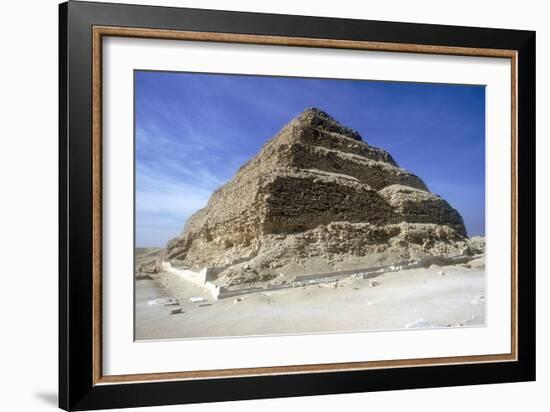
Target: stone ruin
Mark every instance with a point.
(316, 199)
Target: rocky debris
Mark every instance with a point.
(163, 302)
(477, 244)
(478, 300)
(145, 269)
(315, 199)
(373, 283)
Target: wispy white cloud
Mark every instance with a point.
(163, 205)
(193, 132)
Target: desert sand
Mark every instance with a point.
(337, 223)
(434, 297)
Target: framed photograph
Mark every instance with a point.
(257, 205)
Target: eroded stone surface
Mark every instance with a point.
(317, 198)
(419, 206)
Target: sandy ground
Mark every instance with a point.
(416, 298)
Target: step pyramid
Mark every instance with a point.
(316, 197)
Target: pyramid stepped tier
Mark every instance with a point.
(314, 172)
(281, 202)
(417, 206)
(375, 173)
(303, 200)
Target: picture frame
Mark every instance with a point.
(82, 383)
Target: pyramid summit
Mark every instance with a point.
(316, 198)
(319, 119)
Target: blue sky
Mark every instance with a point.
(193, 131)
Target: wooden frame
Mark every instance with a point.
(82, 27)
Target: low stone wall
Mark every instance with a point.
(366, 273)
(203, 278)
